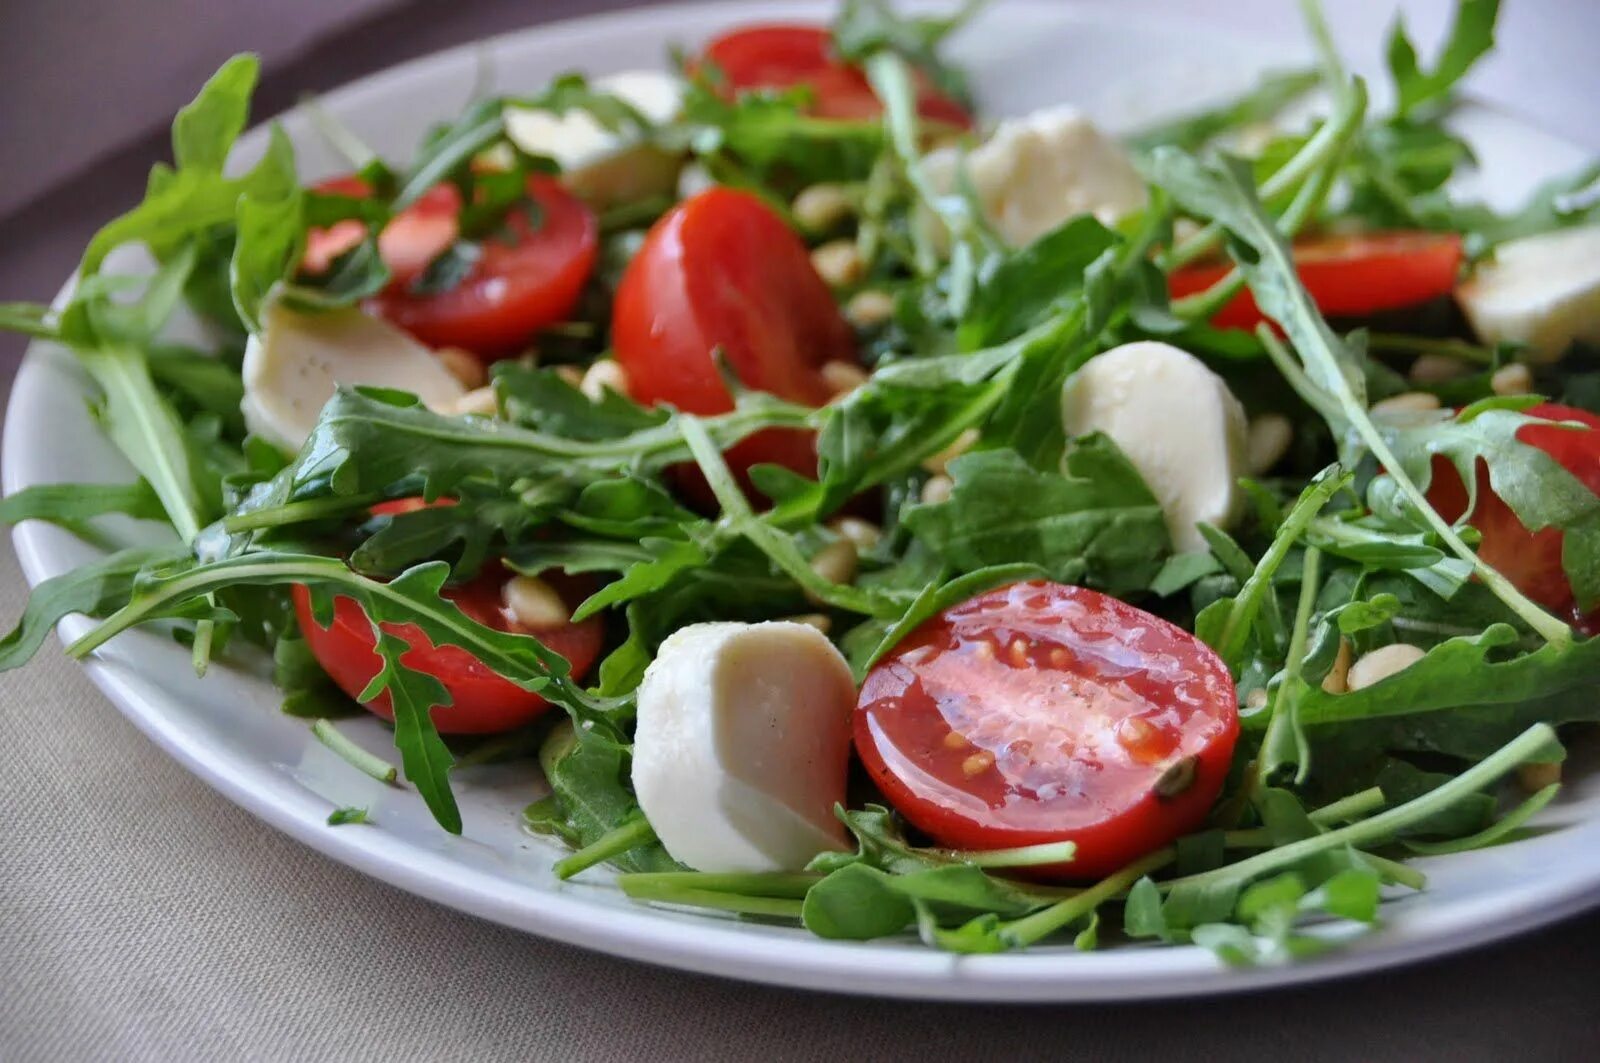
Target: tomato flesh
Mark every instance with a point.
(1039, 712)
(482, 702)
(527, 277)
(782, 56)
(722, 271)
(1530, 560)
(1348, 276)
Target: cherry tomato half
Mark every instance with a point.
(1530, 560)
(782, 56)
(526, 278)
(1348, 276)
(721, 270)
(482, 702)
(1038, 713)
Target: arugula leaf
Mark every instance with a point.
(590, 798)
(863, 27)
(1095, 523)
(70, 505)
(93, 589)
(1471, 37)
(413, 695)
(341, 816)
(1272, 93)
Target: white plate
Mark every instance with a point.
(228, 731)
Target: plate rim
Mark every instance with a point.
(714, 946)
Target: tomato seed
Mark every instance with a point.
(978, 763)
(955, 740)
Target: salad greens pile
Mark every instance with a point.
(1342, 550)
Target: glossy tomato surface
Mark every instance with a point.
(1040, 712)
(722, 271)
(527, 277)
(1530, 560)
(1348, 276)
(782, 56)
(481, 701)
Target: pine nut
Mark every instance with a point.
(978, 763)
(1337, 681)
(1435, 369)
(863, 533)
(1256, 700)
(939, 463)
(604, 375)
(836, 562)
(821, 621)
(842, 378)
(839, 263)
(1267, 442)
(869, 308)
(571, 374)
(820, 207)
(463, 365)
(1382, 663)
(480, 402)
(1535, 777)
(1405, 406)
(938, 489)
(1513, 379)
(533, 603)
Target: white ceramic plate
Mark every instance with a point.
(227, 728)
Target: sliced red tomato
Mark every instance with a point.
(1348, 276)
(525, 279)
(721, 270)
(782, 56)
(482, 702)
(1040, 712)
(1530, 560)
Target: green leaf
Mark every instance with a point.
(72, 504)
(204, 130)
(1471, 37)
(267, 249)
(341, 816)
(1271, 94)
(1502, 830)
(863, 27)
(93, 589)
(1096, 522)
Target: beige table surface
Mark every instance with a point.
(142, 916)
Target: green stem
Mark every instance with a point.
(358, 758)
(1021, 856)
(1384, 825)
(1041, 924)
(632, 833)
(791, 884)
(1285, 718)
(1357, 804)
(1402, 344)
(780, 907)
(295, 512)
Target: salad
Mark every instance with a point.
(868, 514)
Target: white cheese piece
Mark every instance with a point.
(1035, 172)
(603, 166)
(293, 366)
(1543, 291)
(742, 744)
(1176, 421)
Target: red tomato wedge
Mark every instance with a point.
(1530, 560)
(526, 279)
(781, 56)
(1348, 276)
(1040, 713)
(481, 701)
(721, 270)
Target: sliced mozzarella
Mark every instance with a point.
(1035, 172)
(293, 366)
(1543, 291)
(599, 164)
(1175, 420)
(742, 744)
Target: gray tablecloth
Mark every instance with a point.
(144, 917)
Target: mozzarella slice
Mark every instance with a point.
(742, 744)
(1035, 172)
(1543, 291)
(1176, 421)
(293, 366)
(603, 166)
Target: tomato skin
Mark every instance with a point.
(482, 702)
(784, 55)
(1348, 276)
(1039, 712)
(519, 285)
(1530, 560)
(721, 270)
